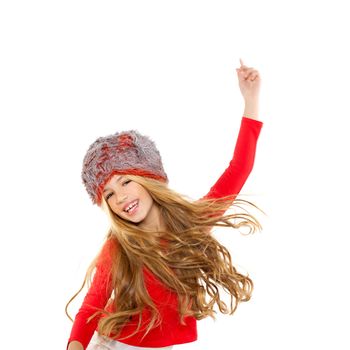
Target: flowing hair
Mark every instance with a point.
(185, 257)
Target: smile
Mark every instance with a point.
(132, 207)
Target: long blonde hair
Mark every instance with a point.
(193, 263)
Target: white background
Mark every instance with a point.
(72, 71)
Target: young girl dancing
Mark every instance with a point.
(160, 269)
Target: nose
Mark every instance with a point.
(122, 199)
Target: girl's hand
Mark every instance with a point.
(249, 82)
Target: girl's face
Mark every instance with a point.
(131, 201)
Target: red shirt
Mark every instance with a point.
(170, 332)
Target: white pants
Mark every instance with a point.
(103, 343)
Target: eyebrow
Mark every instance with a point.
(106, 189)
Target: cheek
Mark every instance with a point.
(147, 199)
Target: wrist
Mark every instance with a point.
(251, 109)
(251, 101)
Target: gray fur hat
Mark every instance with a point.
(126, 152)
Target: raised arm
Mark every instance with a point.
(241, 164)
(232, 180)
(97, 296)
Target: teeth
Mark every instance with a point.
(130, 206)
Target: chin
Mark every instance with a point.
(138, 222)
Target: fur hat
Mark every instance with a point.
(126, 152)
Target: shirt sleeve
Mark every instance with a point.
(97, 296)
(241, 164)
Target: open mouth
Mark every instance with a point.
(132, 207)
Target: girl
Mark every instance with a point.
(160, 269)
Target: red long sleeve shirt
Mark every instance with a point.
(170, 332)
